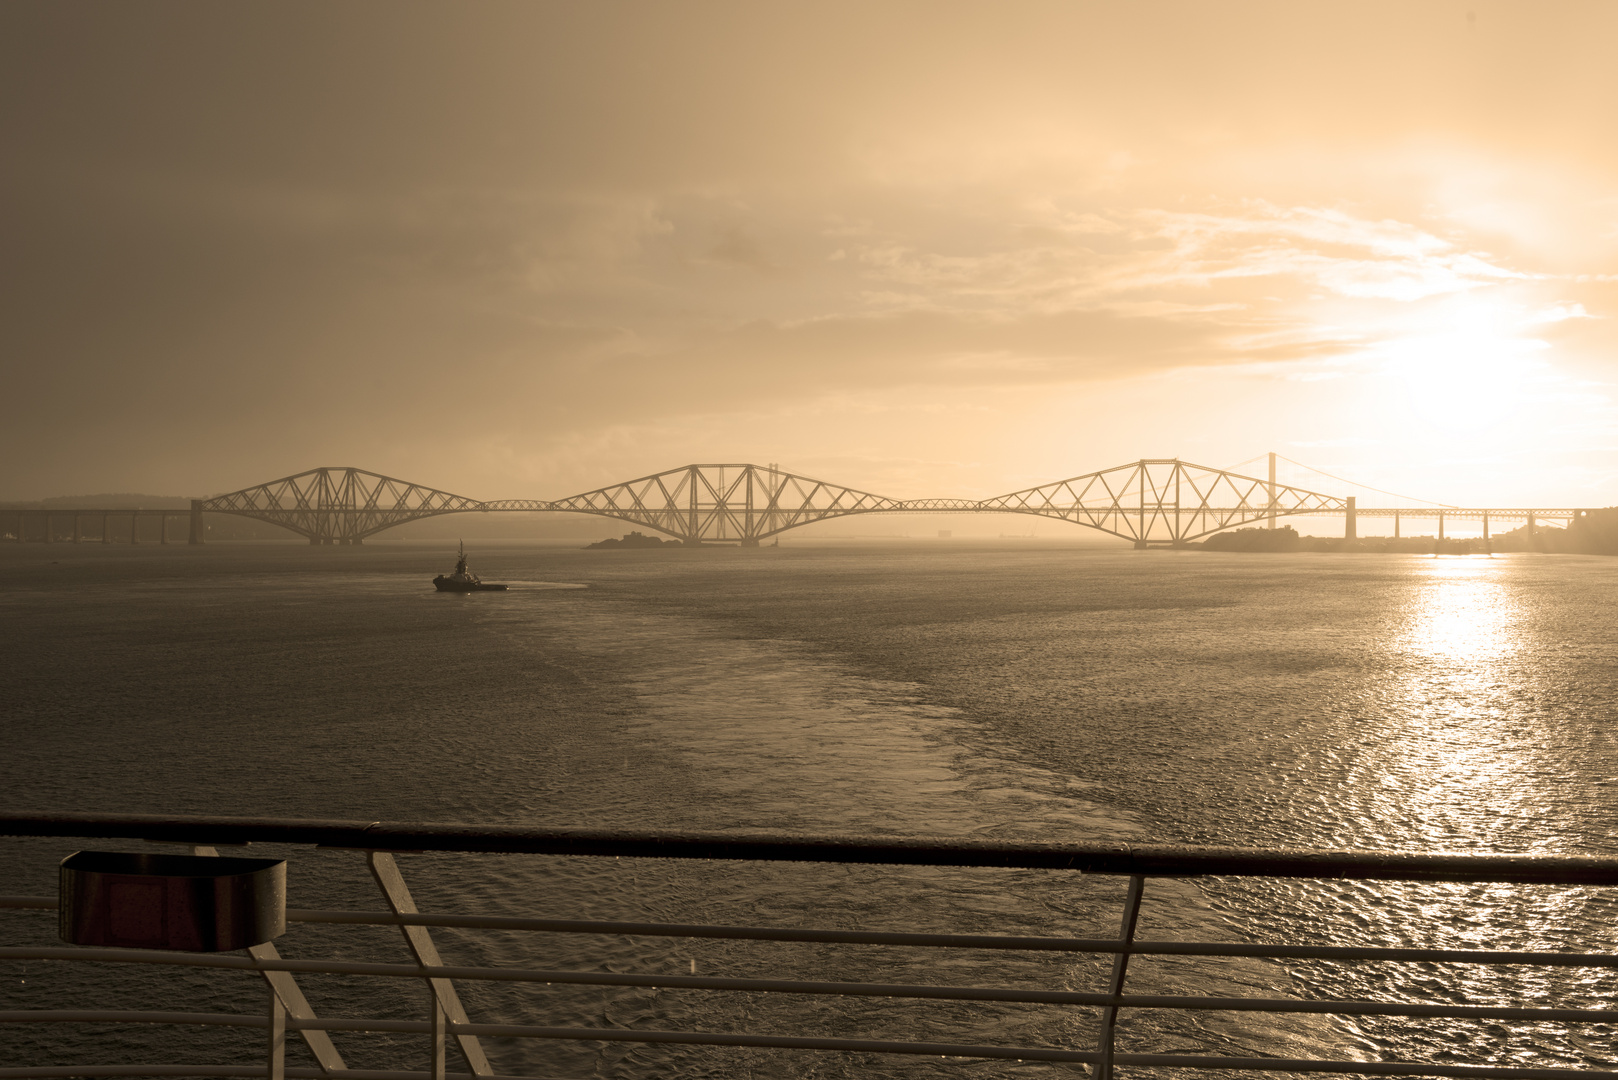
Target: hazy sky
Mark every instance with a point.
(525, 249)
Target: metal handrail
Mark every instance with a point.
(1150, 860)
(791, 986)
(1137, 861)
(940, 941)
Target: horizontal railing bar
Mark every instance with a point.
(129, 1016)
(879, 1046)
(960, 941)
(691, 930)
(833, 989)
(698, 930)
(948, 941)
(1173, 1061)
(1160, 860)
(576, 1034)
(73, 1072)
(672, 982)
(1360, 1068)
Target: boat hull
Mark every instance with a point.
(444, 584)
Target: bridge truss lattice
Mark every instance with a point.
(337, 505)
(1160, 501)
(728, 503)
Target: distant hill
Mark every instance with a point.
(117, 502)
(125, 501)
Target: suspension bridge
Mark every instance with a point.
(1153, 502)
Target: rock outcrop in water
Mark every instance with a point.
(1285, 538)
(633, 540)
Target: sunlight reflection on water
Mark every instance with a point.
(1468, 753)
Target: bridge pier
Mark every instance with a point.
(1271, 489)
(196, 522)
(1350, 521)
(1441, 525)
(1396, 524)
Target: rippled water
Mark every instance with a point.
(996, 690)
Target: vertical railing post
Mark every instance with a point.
(276, 1068)
(436, 1010)
(1120, 968)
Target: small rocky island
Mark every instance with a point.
(633, 540)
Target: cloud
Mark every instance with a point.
(296, 225)
(1348, 256)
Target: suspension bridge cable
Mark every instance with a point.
(1239, 464)
(1367, 487)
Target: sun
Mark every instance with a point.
(1472, 374)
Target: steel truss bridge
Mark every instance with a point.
(1155, 502)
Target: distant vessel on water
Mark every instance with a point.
(463, 580)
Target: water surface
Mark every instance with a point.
(1000, 690)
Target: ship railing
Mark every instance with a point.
(446, 1025)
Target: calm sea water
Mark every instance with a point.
(992, 690)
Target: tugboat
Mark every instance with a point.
(463, 580)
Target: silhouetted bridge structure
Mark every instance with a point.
(1156, 502)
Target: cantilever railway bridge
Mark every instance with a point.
(1155, 502)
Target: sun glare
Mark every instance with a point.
(1470, 375)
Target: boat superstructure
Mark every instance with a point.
(463, 580)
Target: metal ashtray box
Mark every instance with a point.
(194, 903)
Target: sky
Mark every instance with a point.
(521, 250)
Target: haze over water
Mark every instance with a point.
(1021, 689)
